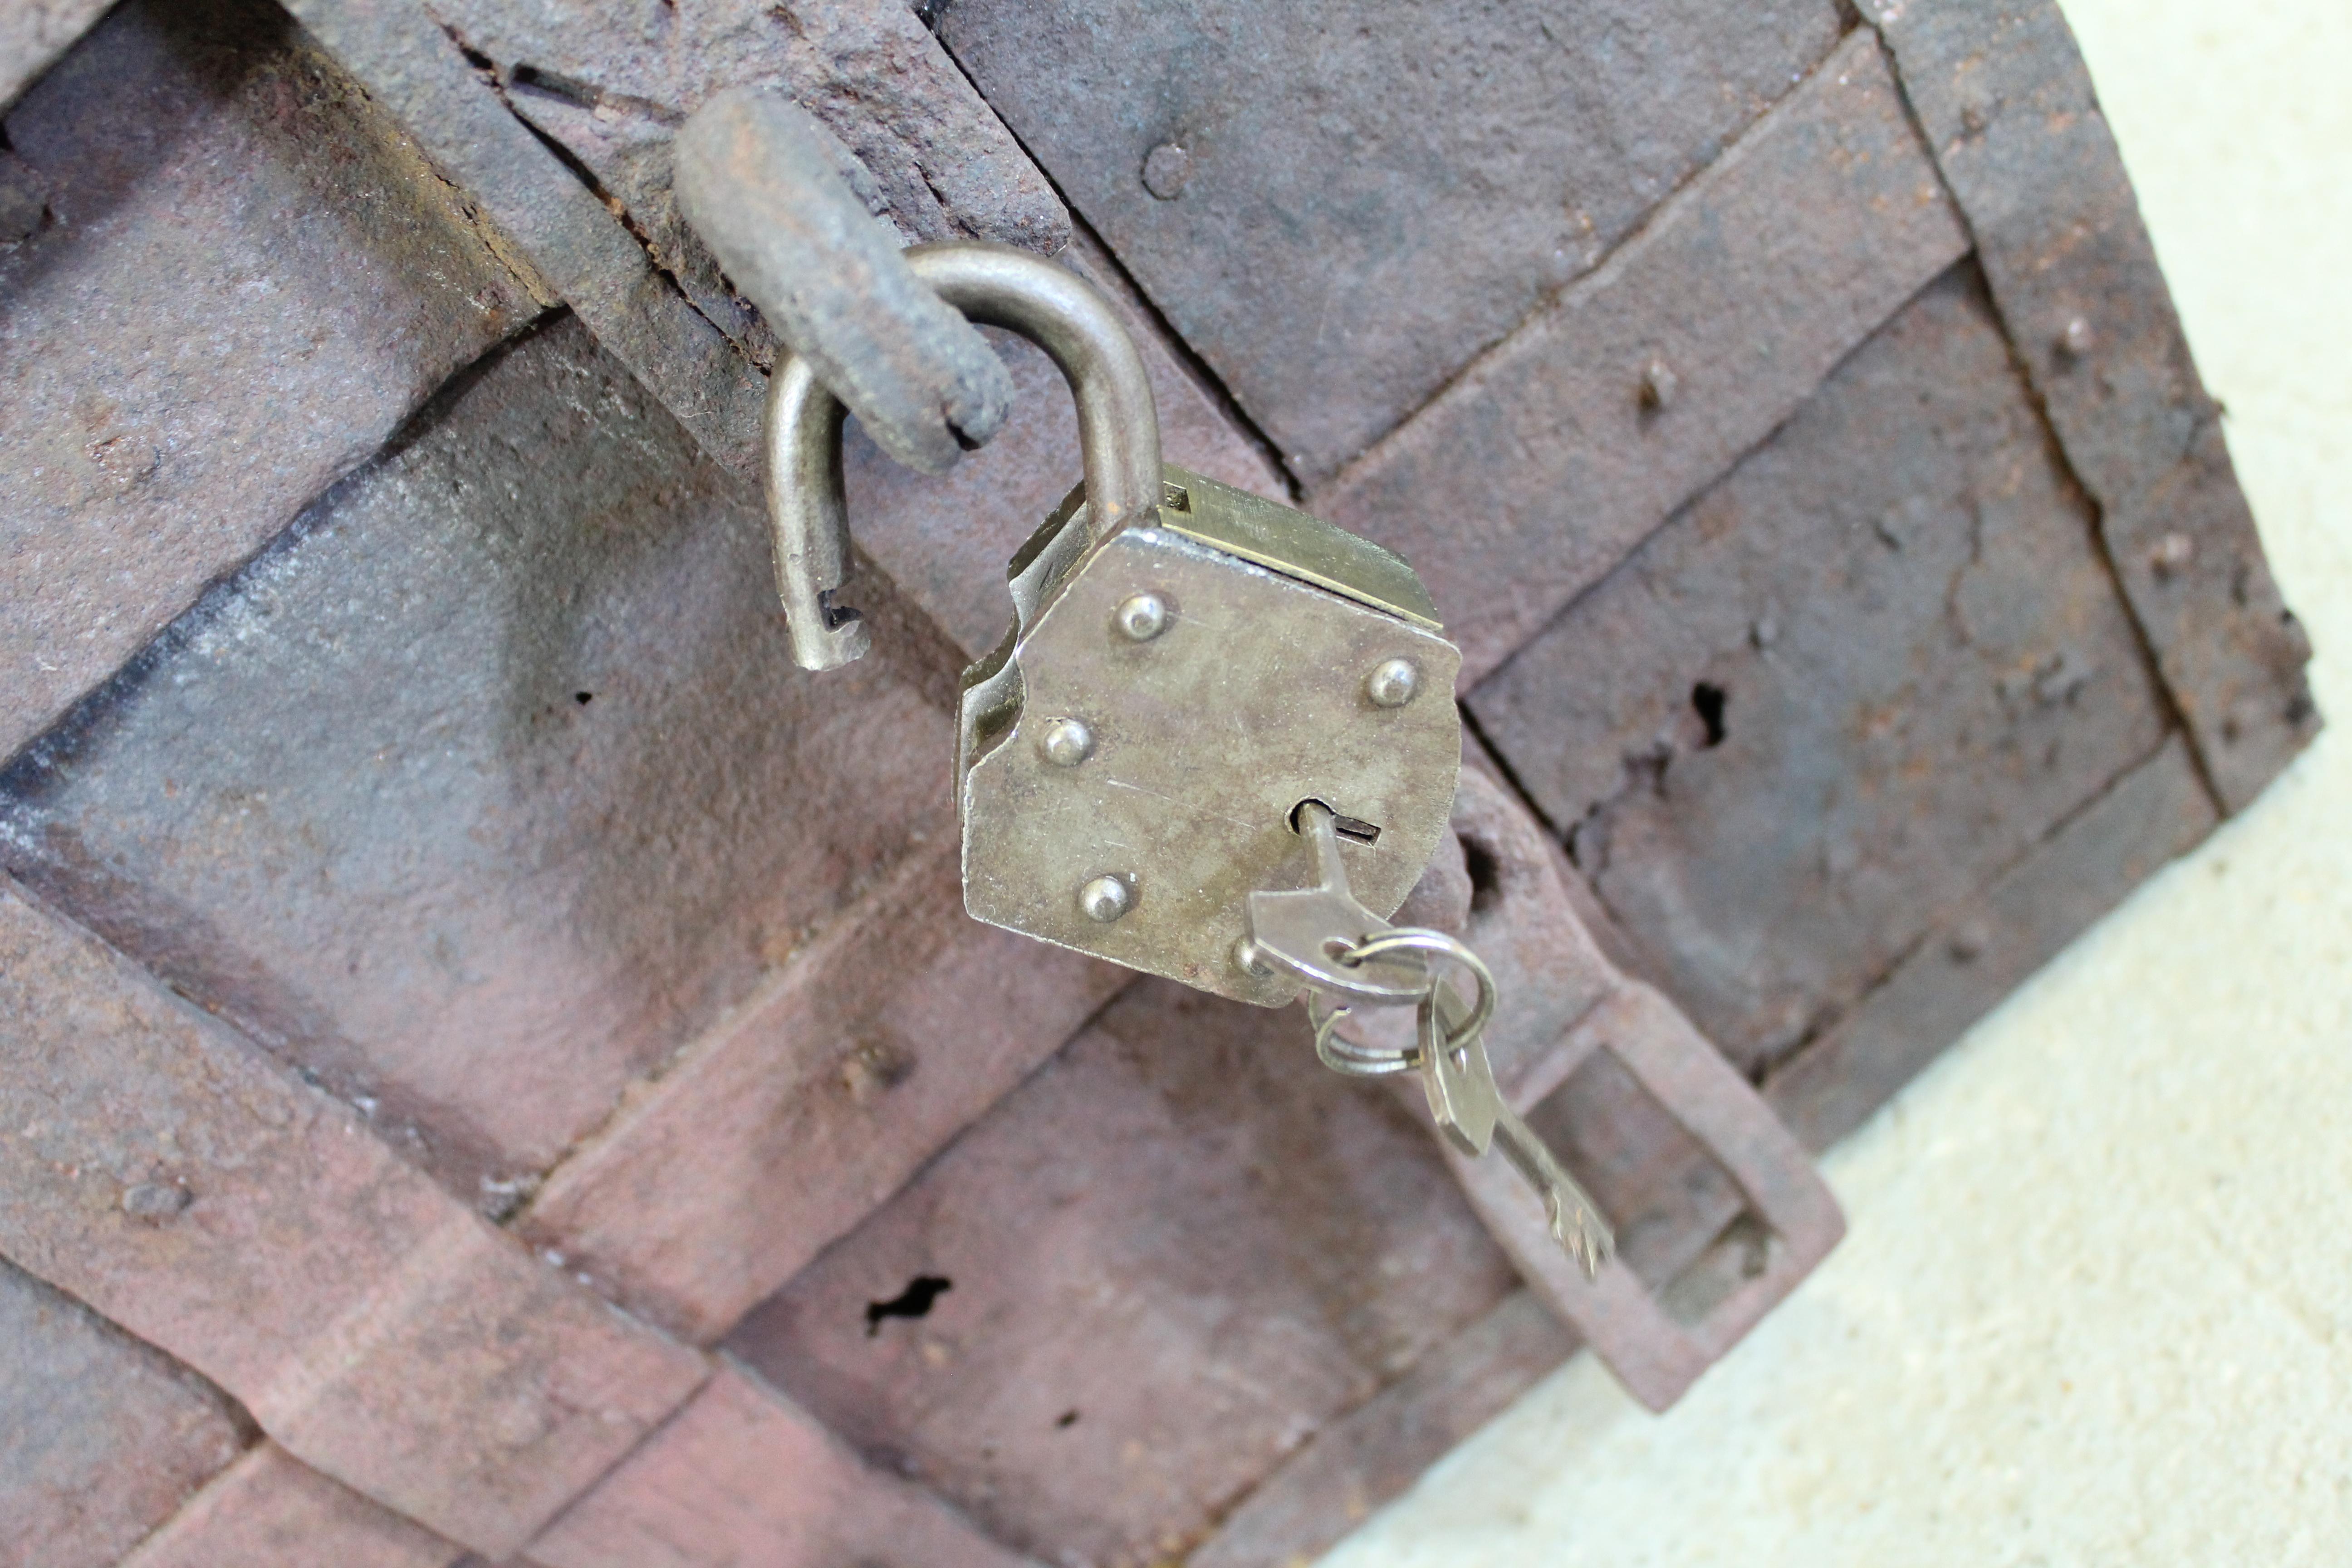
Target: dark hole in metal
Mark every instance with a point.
(1355, 829)
(554, 84)
(584, 698)
(914, 1301)
(1486, 875)
(836, 616)
(1067, 1419)
(1709, 699)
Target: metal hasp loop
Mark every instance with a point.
(996, 285)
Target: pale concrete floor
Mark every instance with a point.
(2096, 1307)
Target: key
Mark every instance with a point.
(1463, 1099)
(1303, 933)
(1468, 1106)
(1320, 935)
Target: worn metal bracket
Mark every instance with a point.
(1656, 1357)
(1565, 998)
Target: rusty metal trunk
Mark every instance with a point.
(493, 1066)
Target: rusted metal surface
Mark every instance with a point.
(1563, 961)
(609, 92)
(914, 139)
(2007, 103)
(1345, 214)
(34, 33)
(1172, 1255)
(1570, 1011)
(1986, 947)
(102, 1437)
(1152, 1213)
(941, 165)
(1374, 1452)
(945, 542)
(373, 1325)
(493, 785)
(1840, 690)
(740, 1476)
(238, 280)
(1671, 1201)
(24, 200)
(1494, 882)
(1654, 1351)
(757, 180)
(271, 1511)
(1857, 738)
(812, 1102)
(1519, 920)
(546, 220)
(1536, 472)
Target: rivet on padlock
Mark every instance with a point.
(1188, 665)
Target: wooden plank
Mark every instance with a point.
(175, 1179)
(1840, 690)
(2007, 102)
(271, 1511)
(1362, 209)
(1541, 465)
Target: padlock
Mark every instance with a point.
(1189, 665)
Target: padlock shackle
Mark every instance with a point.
(997, 286)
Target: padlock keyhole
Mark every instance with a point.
(1354, 829)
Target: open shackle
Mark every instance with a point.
(992, 285)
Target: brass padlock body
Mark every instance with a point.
(1256, 694)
